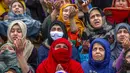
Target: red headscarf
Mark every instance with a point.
(60, 56)
(116, 15)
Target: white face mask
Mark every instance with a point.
(56, 35)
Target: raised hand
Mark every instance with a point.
(126, 43)
(19, 44)
(57, 5)
(86, 3)
(59, 67)
(72, 11)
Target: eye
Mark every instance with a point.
(13, 6)
(92, 17)
(19, 31)
(118, 32)
(57, 46)
(94, 49)
(59, 29)
(19, 6)
(53, 29)
(65, 10)
(101, 49)
(98, 15)
(65, 47)
(12, 30)
(125, 31)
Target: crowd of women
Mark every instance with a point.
(64, 36)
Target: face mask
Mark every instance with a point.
(61, 55)
(56, 35)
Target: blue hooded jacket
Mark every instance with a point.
(104, 66)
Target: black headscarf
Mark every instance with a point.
(62, 25)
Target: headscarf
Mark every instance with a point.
(114, 1)
(63, 27)
(29, 46)
(60, 56)
(79, 23)
(116, 15)
(4, 8)
(105, 62)
(104, 66)
(116, 47)
(102, 32)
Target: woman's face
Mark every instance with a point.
(122, 34)
(66, 13)
(56, 28)
(127, 57)
(121, 3)
(96, 19)
(17, 8)
(61, 46)
(15, 32)
(56, 32)
(98, 52)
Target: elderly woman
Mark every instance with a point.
(18, 12)
(99, 58)
(60, 59)
(97, 27)
(26, 54)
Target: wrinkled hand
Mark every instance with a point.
(49, 4)
(72, 12)
(126, 43)
(59, 67)
(57, 5)
(86, 3)
(19, 44)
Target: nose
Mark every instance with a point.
(97, 51)
(122, 33)
(17, 7)
(120, 2)
(96, 17)
(15, 33)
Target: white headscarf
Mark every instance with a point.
(21, 24)
(29, 46)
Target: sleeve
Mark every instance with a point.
(42, 54)
(41, 69)
(32, 61)
(119, 60)
(80, 70)
(45, 25)
(75, 54)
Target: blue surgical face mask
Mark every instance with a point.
(56, 35)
